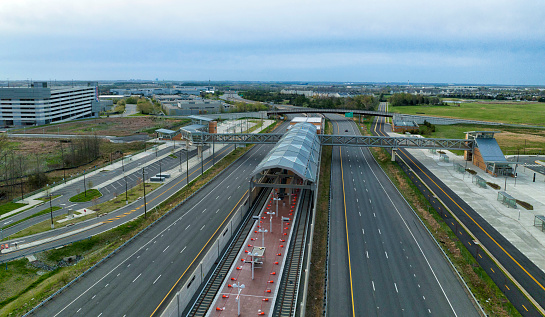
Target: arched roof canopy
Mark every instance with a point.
(297, 151)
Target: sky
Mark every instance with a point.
(425, 41)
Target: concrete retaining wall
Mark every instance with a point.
(186, 293)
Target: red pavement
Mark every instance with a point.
(255, 297)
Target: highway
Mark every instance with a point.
(520, 269)
(141, 276)
(382, 260)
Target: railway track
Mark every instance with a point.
(286, 300)
(209, 291)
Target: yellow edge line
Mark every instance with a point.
(207, 242)
(346, 227)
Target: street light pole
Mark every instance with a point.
(84, 186)
(51, 212)
(126, 195)
(144, 182)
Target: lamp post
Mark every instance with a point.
(270, 220)
(262, 236)
(277, 199)
(126, 195)
(144, 182)
(51, 212)
(84, 186)
(240, 288)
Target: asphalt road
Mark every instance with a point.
(383, 262)
(524, 271)
(141, 276)
(108, 192)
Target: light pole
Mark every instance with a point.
(84, 186)
(51, 212)
(144, 182)
(126, 195)
(277, 199)
(262, 236)
(240, 288)
(270, 220)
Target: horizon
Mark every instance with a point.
(484, 43)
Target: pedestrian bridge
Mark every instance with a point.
(339, 140)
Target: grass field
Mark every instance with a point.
(510, 139)
(88, 195)
(5, 208)
(508, 112)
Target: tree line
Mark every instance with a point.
(358, 102)
(404, 99)
(27, 172)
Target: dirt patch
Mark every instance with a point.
(108, 126)
(510, 136)
(32, 146)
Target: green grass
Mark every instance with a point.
(43, 212)
(7, 207)
(119, 201)
(317, 270)
(510, 139)
(85, 196)
(516, 113)
(47, 198)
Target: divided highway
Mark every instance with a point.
(523, 271)
(382, 260)
(141, 277)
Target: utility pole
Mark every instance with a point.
(84, 186)
(51, 212)
(144, 182)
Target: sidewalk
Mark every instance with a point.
(516, 225)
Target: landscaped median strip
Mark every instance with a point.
(50, 239)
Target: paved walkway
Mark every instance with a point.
(258, 295)
(516, 225)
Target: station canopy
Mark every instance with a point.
(297, 151)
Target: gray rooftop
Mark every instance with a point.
(297, 151)
(490, 150)
(165, 131)
(193, 128)
(201, 118)
(398, 123)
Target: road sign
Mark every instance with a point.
(349, 115)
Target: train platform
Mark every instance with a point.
(267, 250)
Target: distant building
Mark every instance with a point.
(318, 122)
(190, 107)
(404, 126)
(40, 104)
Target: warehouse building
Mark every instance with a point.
(40, 104)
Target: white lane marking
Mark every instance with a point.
(217, 211)
(366, 190)
(156, 279)
(99, 315)
(424, 297)
(395, 285)
(93, 296)
(138, 257)
(202, 227)
(217, 197)
(137, 277)
(412, 235)
(70, 206)
(183, 249)
(238, 187)
(370, 200)
(194, 206)
(204, 210)
(228, 186)
(78, 310)
(362, 231)
(364, 180)
(229, 198)
(379, 231)
(354, 189)
(118, 274)
(386, 254)
(373, 285)
(367, 254)
(187, 227)
(166, 248)
(129, 265)
(359, 213)
(374, 215)
(357, 200)
(106, 285)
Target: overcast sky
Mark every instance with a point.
(462, 41)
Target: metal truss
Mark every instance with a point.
(364, 112)
(340, 140)
(248, 138)
(396, 142)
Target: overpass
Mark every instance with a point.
(341, 140)
(311, 110)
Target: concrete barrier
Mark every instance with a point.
(184, 295)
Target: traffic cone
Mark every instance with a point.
(273, 273)
(276, 263)
(233, 278)
(225, 296)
